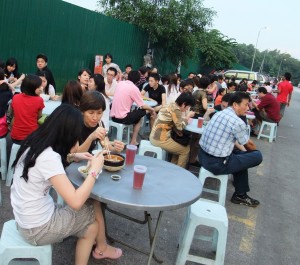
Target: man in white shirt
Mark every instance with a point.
(110, 81)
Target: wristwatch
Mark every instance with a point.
(95, 174)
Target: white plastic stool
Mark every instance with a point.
(120, 128)
(3, 158)
(146, 146)
(273, 131)
(13, 246)
(223, 184)
(13, 154)
(248, 129)
(207, 214)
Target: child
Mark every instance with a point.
(27, 108)
(42, 65)
(5, 97)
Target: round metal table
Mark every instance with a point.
(166, 187)
(193, 127)
(50, 106)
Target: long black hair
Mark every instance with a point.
(61, 131)
(43, 74)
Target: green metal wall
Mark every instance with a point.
(69, 35)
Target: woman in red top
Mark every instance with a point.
(27, 108)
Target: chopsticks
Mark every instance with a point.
(106, 144)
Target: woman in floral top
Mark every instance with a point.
(168, 117)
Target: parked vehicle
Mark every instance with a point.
(250, 76)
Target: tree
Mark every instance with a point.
(175, 26)
(217, 49)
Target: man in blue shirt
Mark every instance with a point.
(218, 155)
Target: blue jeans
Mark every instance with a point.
(237, 163)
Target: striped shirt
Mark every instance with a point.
(223, 130)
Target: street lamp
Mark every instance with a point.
(256, 46)
(263, 61)
(280, 67)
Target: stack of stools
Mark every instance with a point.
(206, 213)
(272, 133)
(146, 146)
(13, 246)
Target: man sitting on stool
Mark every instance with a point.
(217, 143)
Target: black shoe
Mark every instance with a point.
(244, 200)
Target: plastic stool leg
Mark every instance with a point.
(3, 159)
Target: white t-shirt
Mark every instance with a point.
(32, 204)
(105, 116)
(51, 91)
(171, 98)
(110, 88)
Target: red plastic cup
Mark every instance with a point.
(138, 176)
(130, 154)
(200, 122)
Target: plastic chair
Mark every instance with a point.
(13, 154)
(208, 214)
(146, 146)
(3, 156)
(272, 133)
(248, 129)
(120, 129)
(223, 184)
(13, 246)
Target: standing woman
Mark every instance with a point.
(72, 93)
(109, 63)
(84, 77)
(39, 165)
(97, 83)
(27, 108)
(11, 70)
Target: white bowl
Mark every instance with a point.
(81, 171)
(95, 152)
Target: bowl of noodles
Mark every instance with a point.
(113, 162)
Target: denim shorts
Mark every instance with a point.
(64, 222)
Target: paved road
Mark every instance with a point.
(267, 235)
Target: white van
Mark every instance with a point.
(250, 76)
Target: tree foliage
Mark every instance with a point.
(275, 63)
(175, 26)
(217, 49)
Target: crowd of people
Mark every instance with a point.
(81, 122)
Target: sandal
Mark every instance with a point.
(97, 254)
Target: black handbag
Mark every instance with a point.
(181, 137)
